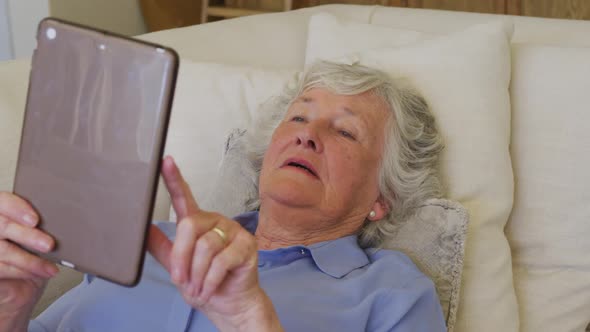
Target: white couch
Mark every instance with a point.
(543, 282)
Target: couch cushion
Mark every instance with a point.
(465, 77)
(549, 229)
(364, 36)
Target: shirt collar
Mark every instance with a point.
(339, 257)
(335, 258)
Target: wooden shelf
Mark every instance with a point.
(229, 12)
(237, 8)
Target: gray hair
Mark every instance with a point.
(409, 172)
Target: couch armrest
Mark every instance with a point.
(14, 79)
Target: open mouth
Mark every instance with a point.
(301, 164)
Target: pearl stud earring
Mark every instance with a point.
(372, 214)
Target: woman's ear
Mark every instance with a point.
(380, 209)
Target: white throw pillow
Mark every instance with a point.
(351, 37)
(549, 229)
(209, 101)
(465, 78)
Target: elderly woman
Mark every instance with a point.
(343, 157)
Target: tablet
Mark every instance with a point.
(94, 130)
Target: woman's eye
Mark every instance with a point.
(298, 119)
(346, 134)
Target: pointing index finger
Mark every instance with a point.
(182, 198)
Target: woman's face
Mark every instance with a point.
(325, 155)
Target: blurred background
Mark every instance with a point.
(19, 18)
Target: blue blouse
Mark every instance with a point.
(328, 286)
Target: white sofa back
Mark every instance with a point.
(277, 40)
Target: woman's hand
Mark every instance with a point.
(23, 276)
(215, 273)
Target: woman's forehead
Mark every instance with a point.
(354, 104)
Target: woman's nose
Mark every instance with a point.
(308, 138)
(306, 142)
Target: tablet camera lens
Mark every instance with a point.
(50, 33)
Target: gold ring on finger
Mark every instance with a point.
(221, 234)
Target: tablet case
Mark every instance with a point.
(93, 136)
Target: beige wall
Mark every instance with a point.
(121, 16)
(5, 34)
(24, 15)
